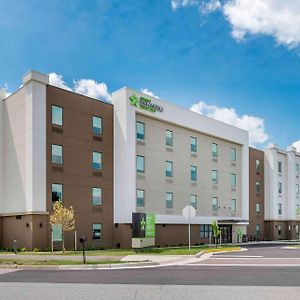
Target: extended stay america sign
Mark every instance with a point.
(145, 103)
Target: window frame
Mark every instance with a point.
(93, 162)
(52, 155)
(140, 136)
(100, 128)
(193, 146)
(93, 196)
(194, 203)
(61, 192)
(169, 173)
(167, 139)
(94, 236)
(193, 173)
(215, 206)
(138, 198)
(142, 157)
(62, 115)
(169, 200)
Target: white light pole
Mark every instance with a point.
(189, 212)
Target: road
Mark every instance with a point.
(250, 278)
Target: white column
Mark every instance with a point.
(291, 183)
(2, 97)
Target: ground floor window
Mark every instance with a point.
(257, 229)
(97, 231)
(279, 229)
(205, 229)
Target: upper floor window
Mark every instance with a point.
(169, 200)
(193, 173)
(97, 196)
(140, 130)
(169, 169)
(297, 170)
(193, 199)
(233, 155)
(214, 150)
(140, 164)
(279, 208)
(57, 115)
(214, 176)
(140, 198)
(233, 205)
(257, 208)
(280, 167)
(297, 190)
(214, 204)
(233, 180)
(169, 138)
(193, 144)
(297, 209)
(97, 125)
(56, 154)
(257, 186)
(257, 165)
(97, 231)
(279, 187)
(97, 160)
(57, 192)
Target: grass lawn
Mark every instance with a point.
(123, 252)
(53, 262)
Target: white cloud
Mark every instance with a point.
(207, 7)
(297, 145)
(255, 125)
(148, 92)
(57, 80)
(87, 87)
(5, 90)
(183, 3)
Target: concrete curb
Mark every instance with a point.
(198, 255)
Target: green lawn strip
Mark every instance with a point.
(112, 252)
(53, 262)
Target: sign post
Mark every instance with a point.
(189, 212)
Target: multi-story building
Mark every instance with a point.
(167, 157)
(282, 201)
(256, 228)
(55, 145)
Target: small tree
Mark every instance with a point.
(216, 231)
(64, 217)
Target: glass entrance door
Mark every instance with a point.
(226, 233)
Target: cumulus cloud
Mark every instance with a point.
(148, 92)
(5, 90)
(87, 87)
(297, 145)
(255, 125)
(276, 18)
(183, 3)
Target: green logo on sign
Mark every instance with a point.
(143, 224)
(144, 103)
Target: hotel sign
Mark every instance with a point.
(144, 103)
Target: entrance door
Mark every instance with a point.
(226, 233)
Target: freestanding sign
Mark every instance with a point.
(143, 230)
(189, 212)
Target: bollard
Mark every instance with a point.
(82, 241)
(15, 246)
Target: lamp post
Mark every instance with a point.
(82, 240)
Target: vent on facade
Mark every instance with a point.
(41, 224)
(97, 138)
(27, 224)
(116, 225)
(97, 173)
(57, 129)
(18, 217)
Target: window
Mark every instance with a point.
(97, 160)
(97, 229)
(169, 200)
(169, 169)
(279, 187)
(140, 130)
(257, 166)
(214, 176)
(194, 201)
(214, 204)
(279, 229)
(193, 144)
(97, 196)
(140, 164)
(279, 166)
(257, 208)
(257, 187)
(193, 173)
(57, 115)
(97, 125)
(233, 155)
(56, 153)
(297, 209)
(214, 149)
(205, 231)
(233, 180)
(297, 170)
(140, 198)
(257, 229)
(169, 138)
(279, 208)
(57, 192)
(233, 205)
(297, 190)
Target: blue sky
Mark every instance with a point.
(184, 51)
